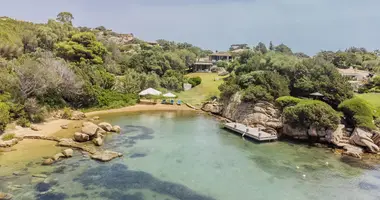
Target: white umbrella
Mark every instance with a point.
(169, 95)
(150, 91)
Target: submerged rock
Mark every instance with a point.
(68, 153)
(57, 156)
(105, 126)
(5, 196)
(116, 129)
(39, 175)
(48, 161)
(106, 155)
(96, 118)
(72, 144)
(98, 141)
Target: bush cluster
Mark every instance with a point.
(358, 112)
(314, 113)
(286, 101)
(194, 81)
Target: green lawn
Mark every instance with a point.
(372, 98)
(208, 88)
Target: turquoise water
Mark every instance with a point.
(185, 155)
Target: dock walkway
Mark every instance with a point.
(254, 133)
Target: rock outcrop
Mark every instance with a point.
(91, 129)
(81, 137)
(261, 114)
(76, 145)
(8, 143)
(68, 153)
(363, 138)
(35, 128)
(105, 126)
(77, 115)
(106, 155)
(116, 129)
(41, 137)
(353, 151)
(98, 141)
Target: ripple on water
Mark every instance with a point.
(117, 176)
(368, 186)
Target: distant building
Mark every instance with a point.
(355, 74)
(215, 57)
(238, 46)
(358, 77)
(202, 65)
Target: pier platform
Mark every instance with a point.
(254, 133)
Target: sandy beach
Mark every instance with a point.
(28, 151)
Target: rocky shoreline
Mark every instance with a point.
(352, 141)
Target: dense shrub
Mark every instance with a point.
(194, 81)
(113, 99)
(9, 136)
(358, 112)
(4, 116)
(67, 113)
(36, 113)
(24, 122)
(256, 93)
(312, 113)
(286, 101)
(228, 89)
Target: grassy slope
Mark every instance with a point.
(372, 98)
(208, 88)
(11, 31)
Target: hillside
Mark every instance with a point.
(12, 30)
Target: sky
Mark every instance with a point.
(304, 25)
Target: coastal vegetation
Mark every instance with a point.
(55, 65)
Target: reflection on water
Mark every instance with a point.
(184, 155)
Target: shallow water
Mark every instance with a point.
(185, 155)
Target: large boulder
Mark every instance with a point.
(91, 129)
(9, 143)
(48, 161)
(98, 141)
(5, 196)
(58, 156)
(81, 137)
(105, 126)
(68, 153)
(35, 128)
(116, 129)
(336, 137)
(376, 137)
(77, 115)
(105, 156)
(212, 107)
(353, 151)
(363, 138)
(67, 142)
(295, 132)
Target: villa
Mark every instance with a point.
(215, 57)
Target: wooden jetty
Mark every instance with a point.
(254, 133)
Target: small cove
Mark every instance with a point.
(185, 155)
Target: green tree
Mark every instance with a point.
(282, 48)
(271, 46)
(82, 46)
(261, 48)
(65, 17)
